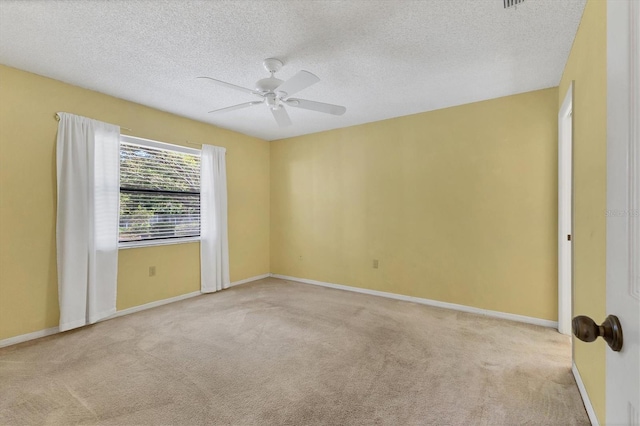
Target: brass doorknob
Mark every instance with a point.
(585, 329)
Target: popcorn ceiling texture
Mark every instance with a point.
(381, 59)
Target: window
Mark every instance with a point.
(159, 192)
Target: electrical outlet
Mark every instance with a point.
(375, 263)
(152, 271)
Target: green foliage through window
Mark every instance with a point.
(159, 193)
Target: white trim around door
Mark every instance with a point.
(565, 212)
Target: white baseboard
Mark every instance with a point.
(585, 397)
(177, 298)
(248, 280)
(150, 305)
(29, 336)
(446, 305)
(53, 330)
(496, 314)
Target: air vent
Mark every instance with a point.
(511, 3)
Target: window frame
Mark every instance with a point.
(168, 147)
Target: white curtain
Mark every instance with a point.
(88, 169)
(214, 245)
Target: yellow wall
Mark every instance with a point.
(458, 205)
(28, 277)
(173, 277)
(587, 65)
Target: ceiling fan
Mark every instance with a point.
(276, 93)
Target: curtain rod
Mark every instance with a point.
(57, 117)
(199, 144)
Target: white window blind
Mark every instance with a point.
(159, 193)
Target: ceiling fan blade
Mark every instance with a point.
(316, 106)
(281, 116)
(239, 106)
(232, 86)
(300, 81)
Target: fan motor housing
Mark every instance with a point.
(268, 84)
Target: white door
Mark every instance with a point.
(565, 208)
(623, 203)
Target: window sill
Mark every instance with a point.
(152, 243)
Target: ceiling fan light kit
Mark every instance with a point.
(275, 93)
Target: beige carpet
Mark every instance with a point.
(278, 352)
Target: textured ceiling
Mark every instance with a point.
(380, 59)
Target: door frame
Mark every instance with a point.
(565, 213)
